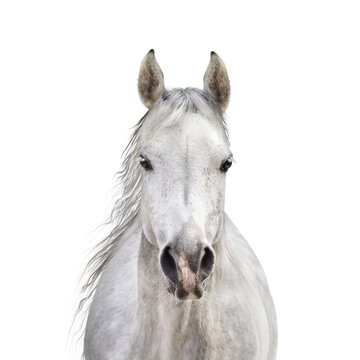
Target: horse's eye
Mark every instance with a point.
(226, 165)
(145, 163)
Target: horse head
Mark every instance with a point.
(184, 152)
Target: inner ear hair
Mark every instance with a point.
(151, 80)
(216, 81)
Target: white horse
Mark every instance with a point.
(175, 279)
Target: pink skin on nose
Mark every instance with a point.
(187, 277)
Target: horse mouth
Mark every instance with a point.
(183, 294)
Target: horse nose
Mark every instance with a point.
(207, 263)
(187, 270)
(168, 264)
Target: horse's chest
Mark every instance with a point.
(191, 337)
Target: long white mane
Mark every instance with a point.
(169, 108)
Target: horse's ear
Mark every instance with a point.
(151, 80)
(216, 81)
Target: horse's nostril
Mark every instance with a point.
(168, 265)
(207, 263)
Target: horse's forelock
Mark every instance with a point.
(176, 103)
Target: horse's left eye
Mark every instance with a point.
(226, 165)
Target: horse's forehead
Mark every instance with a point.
(191, 131)
(198, 128)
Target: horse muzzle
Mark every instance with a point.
(187, 269)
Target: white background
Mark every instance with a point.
(68, 98)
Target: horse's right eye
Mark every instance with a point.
(145, 163)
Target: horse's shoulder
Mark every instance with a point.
(245, 256)
(254, 274)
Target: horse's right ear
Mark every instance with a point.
(151, 80)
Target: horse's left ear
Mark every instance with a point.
(151, 80)
(216, 81)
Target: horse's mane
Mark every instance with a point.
(168, 109)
